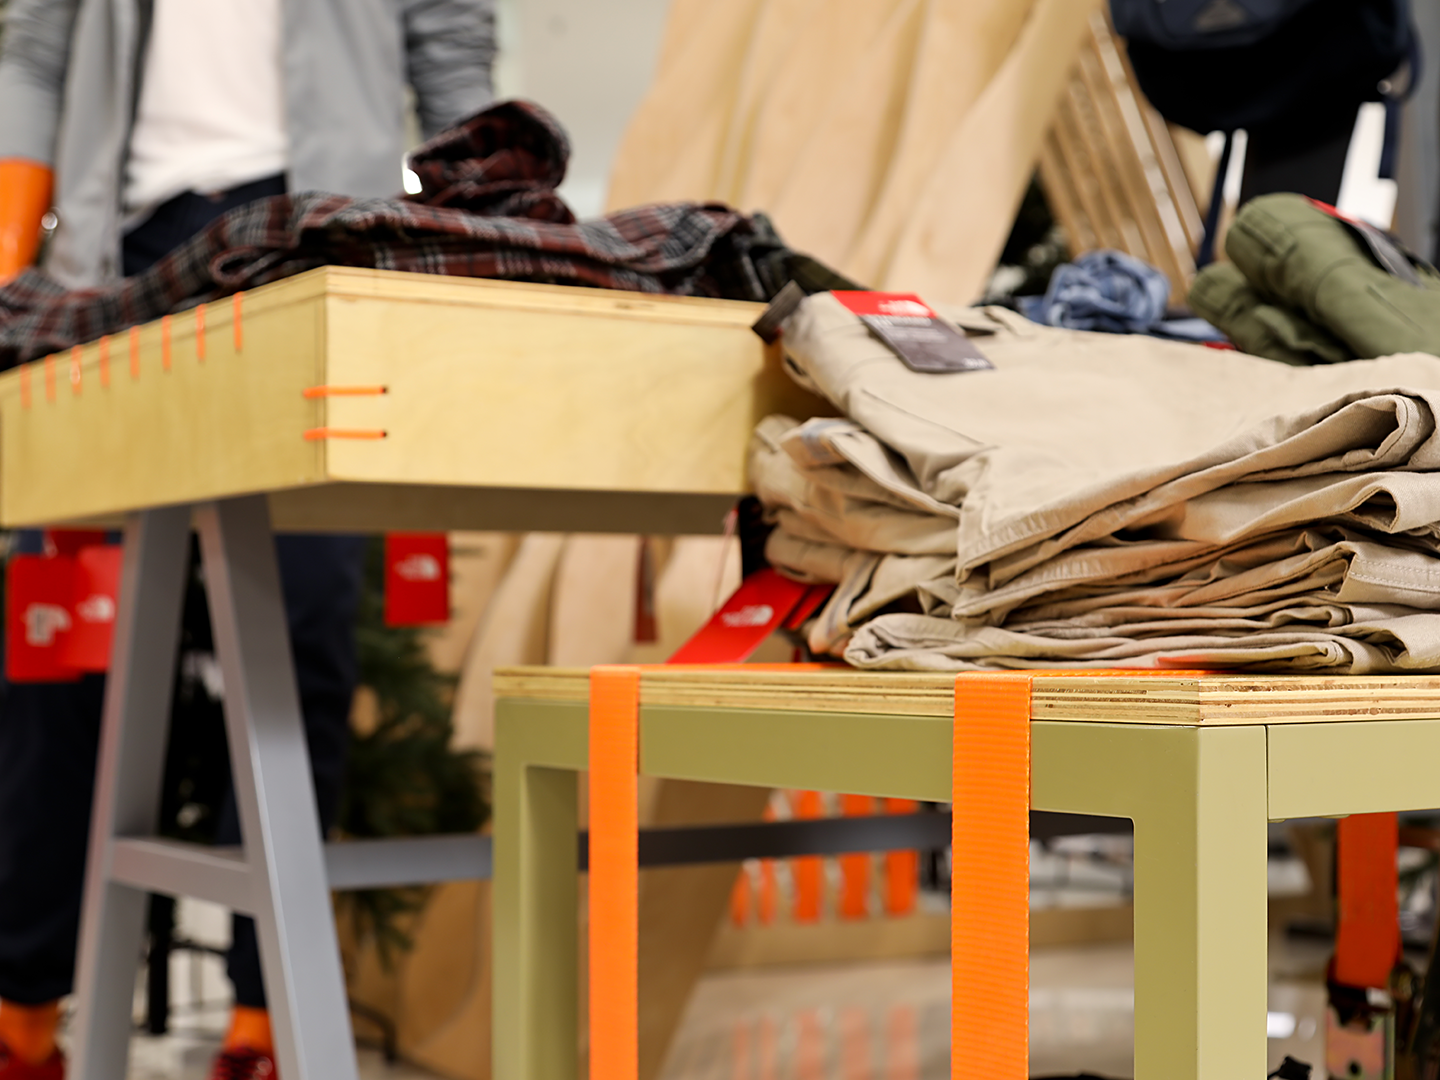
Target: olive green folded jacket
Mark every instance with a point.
(1303, 287)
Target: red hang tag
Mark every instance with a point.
(417, 578)
(39, 595)
(97, 593)
(754, 611)
(923, 341)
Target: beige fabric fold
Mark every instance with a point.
(1110, 498)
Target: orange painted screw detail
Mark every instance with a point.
(105, 362)
(200, 332)
(50, 378)
(319, 433)
(312, 392)
(134, 352)
(614, 880)
(165, 342)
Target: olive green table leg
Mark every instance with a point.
(1198, 799)
(538, 749)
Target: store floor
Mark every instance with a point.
(877, 1021)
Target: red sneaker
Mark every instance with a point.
(14, 1068)
(241, 1063)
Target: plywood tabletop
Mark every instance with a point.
(368, 399)
(1185, 699)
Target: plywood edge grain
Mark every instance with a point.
(359, 283)
(1150, 699)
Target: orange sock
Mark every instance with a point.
(250, 1027)
(29, 1030)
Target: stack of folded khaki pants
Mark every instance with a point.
(1107, 500)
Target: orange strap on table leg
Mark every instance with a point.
(1367, 940)
(990, 878)
(614, 873)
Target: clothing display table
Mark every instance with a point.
(340, 400)
(1201, 763)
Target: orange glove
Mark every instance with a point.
(25, 188)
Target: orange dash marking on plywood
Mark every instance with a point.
(75, 355)
(316, 434)
(50, 377)
(238, 325)
(134, 352)
(200, 332)
(25, 386)
(105, 361)
(165, 342)
(312, 392)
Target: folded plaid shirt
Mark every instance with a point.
(487, 208)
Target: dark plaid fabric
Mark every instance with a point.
(488, 208)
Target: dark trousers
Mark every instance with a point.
(49, 732)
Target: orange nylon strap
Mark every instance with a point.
(200, 332)
(990, 878)
(134, 352)
(317, 434)
(614, 873)
(1367, 940)
(75, 355)
(238, 324)
(165, 342)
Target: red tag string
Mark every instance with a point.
(105, 361)
(238, 325)
(50, 377)
(165, 342)
(200, 332)
(75, 369)
(134, 352)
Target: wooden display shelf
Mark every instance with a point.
(576, 408)
(1151, 698)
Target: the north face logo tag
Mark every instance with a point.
(1220, 15)
(43, 622)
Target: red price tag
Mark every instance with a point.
(97, 593)
(39, 596)
(417, 578)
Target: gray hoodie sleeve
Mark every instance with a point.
(34, 55)
(450, 46)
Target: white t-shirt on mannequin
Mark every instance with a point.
(211, 113)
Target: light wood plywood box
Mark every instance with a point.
(504, 405)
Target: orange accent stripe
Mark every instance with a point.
(990, 878)
(238, 325)
(165, 342)
(134, 352)
(25, 386)
(105, 361)
(807, 871)
(318, 433)
(1367, 940)
(312, 392)
(855, 869)
(902, 868)
(614, 872)
(200, 332)
(50, 377)
(75, 355)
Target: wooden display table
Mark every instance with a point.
(340, 400)
(1200, 763)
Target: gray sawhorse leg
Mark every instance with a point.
(281, 877)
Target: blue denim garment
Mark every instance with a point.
(1102, 290)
